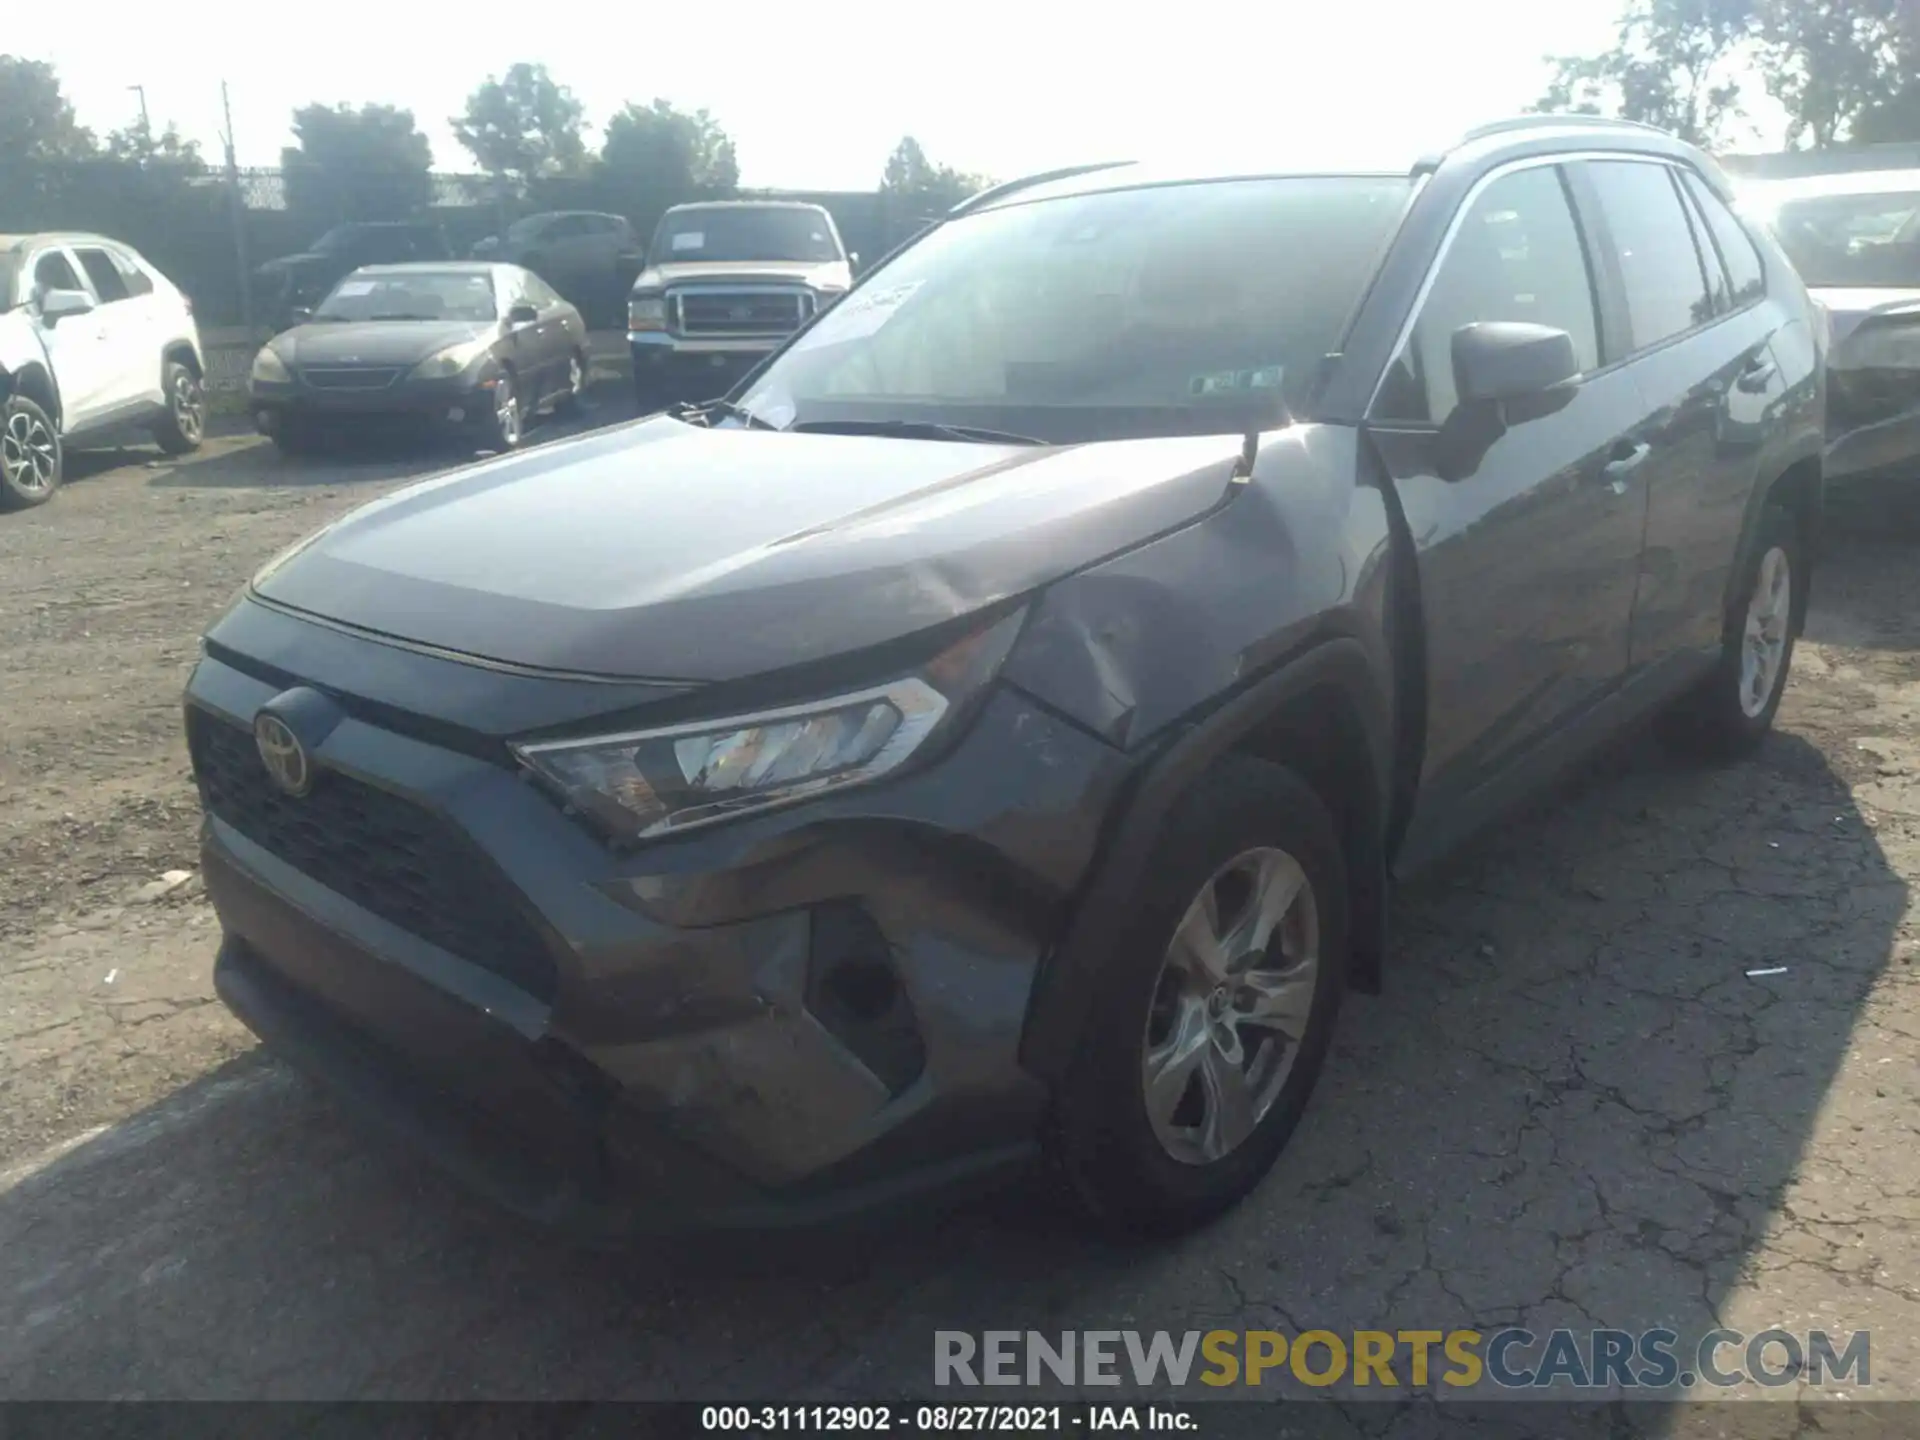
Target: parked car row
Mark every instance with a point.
(989, 735)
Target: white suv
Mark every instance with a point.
(94, 342)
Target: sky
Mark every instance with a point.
(816, 95)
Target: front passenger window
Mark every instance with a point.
(1516, 256)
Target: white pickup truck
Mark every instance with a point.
(94, 343)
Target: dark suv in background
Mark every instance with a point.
(285, 286)
(990, 733)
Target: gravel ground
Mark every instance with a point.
(1572, 1106)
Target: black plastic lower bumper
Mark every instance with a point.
(522, 1121)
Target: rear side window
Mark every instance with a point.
(1737, 252)
(1717, 286)
(52, 272)
(1516, 256)
(108, 283)
(1666, 290)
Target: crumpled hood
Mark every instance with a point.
(381, 342)
(1849, 308)
(664, 550)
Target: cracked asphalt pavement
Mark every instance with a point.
(1572, 1106)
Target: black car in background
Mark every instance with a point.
(992, 732)
(1855, 239)
(589, 256)
(285, 284)
(472, 350)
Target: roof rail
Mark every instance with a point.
(1533, 122)
(1010, 187)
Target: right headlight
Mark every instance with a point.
(269, 368)
(647, 312)
(648, 783)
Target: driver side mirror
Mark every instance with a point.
(1509, 360)
(1505, 373)
(299, 315)
(58, 305)
(522, 314)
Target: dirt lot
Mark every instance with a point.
(1572, 1106)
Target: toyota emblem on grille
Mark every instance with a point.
(283, 755)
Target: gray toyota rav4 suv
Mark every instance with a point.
(991, 732)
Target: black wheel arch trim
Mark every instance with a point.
(1072, 968)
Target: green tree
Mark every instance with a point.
(139, 145)
(370, 163)
(915, 182)
(1674, 64)
(37, 123)
(660, 156)
(522, 125)
(1833, 62)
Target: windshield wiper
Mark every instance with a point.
(703, 411)
(403, 316)
(916, 430)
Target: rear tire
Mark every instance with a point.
(1730, 712)
(1198, 1057)
(32, 459)
(184, 426)
(570, 398)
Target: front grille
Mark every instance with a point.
(385, 854)
(723, 313)
(350, 377)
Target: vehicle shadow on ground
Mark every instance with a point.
(250, 461)
(1572, 1106)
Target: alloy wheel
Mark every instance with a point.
(29, 453)
(1231, 1006)
(1764, 648)
(506, 413)
(189, 407)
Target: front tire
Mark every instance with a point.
(1214, 1017)
(570, 398)
(184, 426)
(1731, 711)
(506, 421)
(32, 459)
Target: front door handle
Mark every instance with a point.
(1625, 458)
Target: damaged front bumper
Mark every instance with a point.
(778, 1021)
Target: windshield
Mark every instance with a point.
(416, 295)
(9, 291)
(744, 233)
(532, 225)
(1190, 309)
(1838, 241)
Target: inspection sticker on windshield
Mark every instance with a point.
(690, 240)
(1232, 382)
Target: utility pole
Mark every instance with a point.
(239, 207)
(146, 126)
